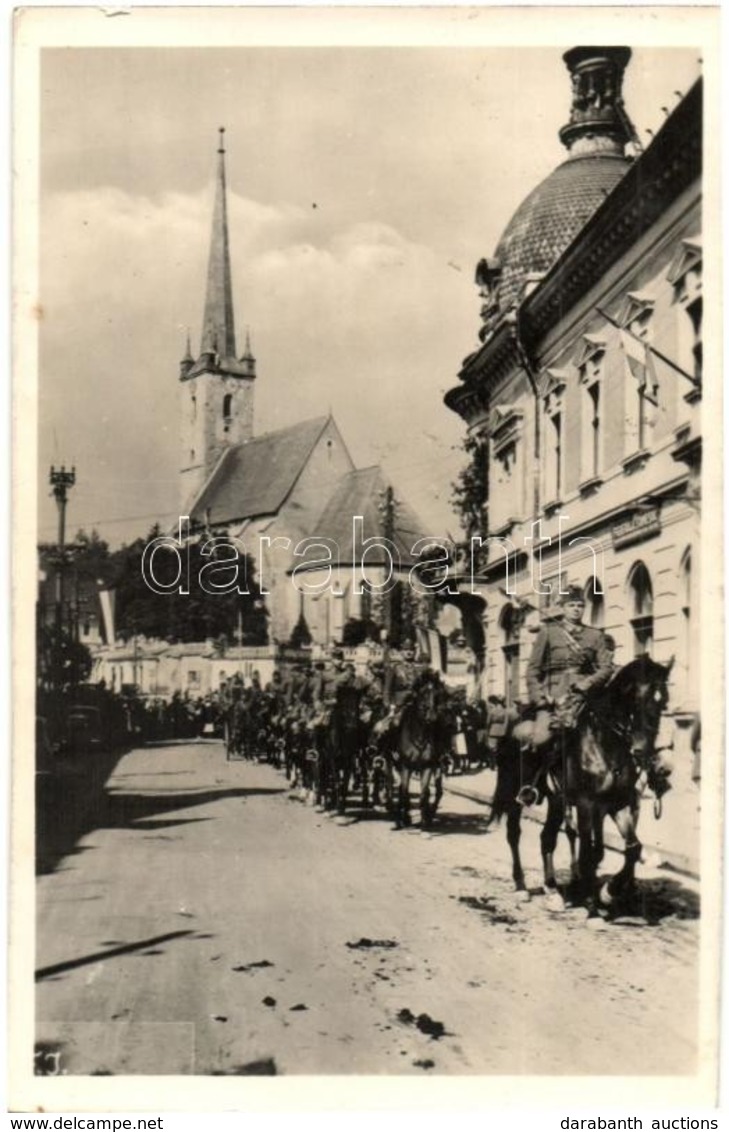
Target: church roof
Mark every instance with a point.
(361, 493)
(255, 478)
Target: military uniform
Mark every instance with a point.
(568, 660)
(400, 679)
(564, 655)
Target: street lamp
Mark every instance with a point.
(60, 480)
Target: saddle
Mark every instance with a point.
(540, 727)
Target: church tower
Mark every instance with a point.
(216, 391)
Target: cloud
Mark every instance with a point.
(360, 320)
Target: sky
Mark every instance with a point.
(364, 184)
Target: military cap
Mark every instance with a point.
(574, 593)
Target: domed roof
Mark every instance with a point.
(546, 223)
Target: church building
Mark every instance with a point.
(272, 491)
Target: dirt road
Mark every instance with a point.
(211, 924)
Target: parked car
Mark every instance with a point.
(84, 729)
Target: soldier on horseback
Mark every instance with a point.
(568, 660)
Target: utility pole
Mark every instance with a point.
(60, 480)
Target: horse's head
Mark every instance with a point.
(640, 693)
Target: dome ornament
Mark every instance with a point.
(598, 123)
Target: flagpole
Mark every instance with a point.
(649, 346)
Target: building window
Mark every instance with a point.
(641, 598)
(507, 463)
(505, 428)
(552, 396)
(685, 275)
(591, 437)
(595, 603)
(193, 678)
(510, 623)
(688, 640)
(695, 312)
(641, 381)
(227, 406)
(193, 406)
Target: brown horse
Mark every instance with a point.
(596, 770)
(420, 746)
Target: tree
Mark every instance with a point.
(358, 630)
(201, 614)
(300, 634)
(470, 489)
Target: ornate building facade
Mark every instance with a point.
(586, 390)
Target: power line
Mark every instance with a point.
(121, 519)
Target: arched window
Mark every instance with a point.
(227, 406)
(595, 603)
(641, 596)
(510, 624)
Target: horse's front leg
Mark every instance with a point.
(438, 779)
(586, 857)
(571, 833)
(620, 885)
(426, 814)
(403, 799)
(513, 836)
(548, 840)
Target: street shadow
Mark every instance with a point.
(110, 953)
(123, 811)
(460, 825)
(657, 899)
(61, 822)
(368, 815)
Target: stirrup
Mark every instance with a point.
(527, 796)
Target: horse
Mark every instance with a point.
(421, 743)
(598, 769)
(341, 747)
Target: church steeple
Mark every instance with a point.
(216, 391)
(218, 330)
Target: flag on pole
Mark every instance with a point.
(639, 359)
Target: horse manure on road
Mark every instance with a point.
(253, 966)
(364, 943)
(424, 1063)
(299, 1006)
(268, 1001)
(488, 909)
(422, 1022)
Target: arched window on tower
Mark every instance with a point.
(640, 591)
(510, 623)
(227, 407)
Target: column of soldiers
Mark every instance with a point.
(293, 711)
